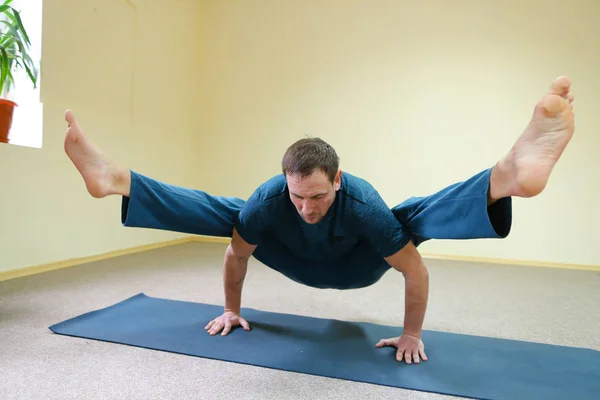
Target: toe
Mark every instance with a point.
(561, 86)
(553, 105)
(70, 118)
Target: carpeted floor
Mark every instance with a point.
(536, 304)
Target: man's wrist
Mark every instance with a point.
(415, 334)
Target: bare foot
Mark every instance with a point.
(525, 170)
(102, 175)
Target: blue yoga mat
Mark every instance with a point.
(460, 365)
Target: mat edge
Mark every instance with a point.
(362, 322)
(55, 327)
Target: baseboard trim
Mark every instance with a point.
(504, 261)
(22, 272)
(37, 269)
(210, 239)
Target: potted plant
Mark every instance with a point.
(14, 48)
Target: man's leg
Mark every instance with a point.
(480, 207)
(459, 211)
(157, 205)
(148, 203)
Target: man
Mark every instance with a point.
(328, 229)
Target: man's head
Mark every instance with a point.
(311, 167)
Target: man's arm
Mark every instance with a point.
(384, 230)
(236, 264)
(408, 261)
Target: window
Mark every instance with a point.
(27, 122)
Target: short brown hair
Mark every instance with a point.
(307, 155)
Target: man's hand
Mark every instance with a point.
(409, 262)
(234, 272)
(410, 348)
(228, 320)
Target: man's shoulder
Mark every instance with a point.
(356, 188)
(267, 194)
(271, 189)
(264, 200)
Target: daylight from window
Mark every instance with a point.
(27, 123)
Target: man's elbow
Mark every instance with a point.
(237, 256)
(231, 255)
(409, 262)
(238, 248)
(418, 271)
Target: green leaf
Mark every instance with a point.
(11, 41)
(31, 69)
(5, 69)
(21, 27)
(10, 80)
(14, 46)
(13, 30)
(32, 76)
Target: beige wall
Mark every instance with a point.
(413, 95)
(116, 68)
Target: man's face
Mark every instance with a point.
(313, 195)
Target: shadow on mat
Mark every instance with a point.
(333, 331)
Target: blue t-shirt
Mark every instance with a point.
(357, 218)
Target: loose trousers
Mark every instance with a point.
(459, 212)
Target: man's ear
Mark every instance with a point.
(337, 182)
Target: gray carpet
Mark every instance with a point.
(537, 304)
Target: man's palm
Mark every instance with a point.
(410, 348)
(228, 320)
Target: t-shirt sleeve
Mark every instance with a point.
(381, 227)
(251, 220)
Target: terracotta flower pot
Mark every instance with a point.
(7, 108)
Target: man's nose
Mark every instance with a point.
(308, 207)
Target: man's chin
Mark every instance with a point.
(313, 220)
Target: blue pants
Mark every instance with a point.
(459, 211)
